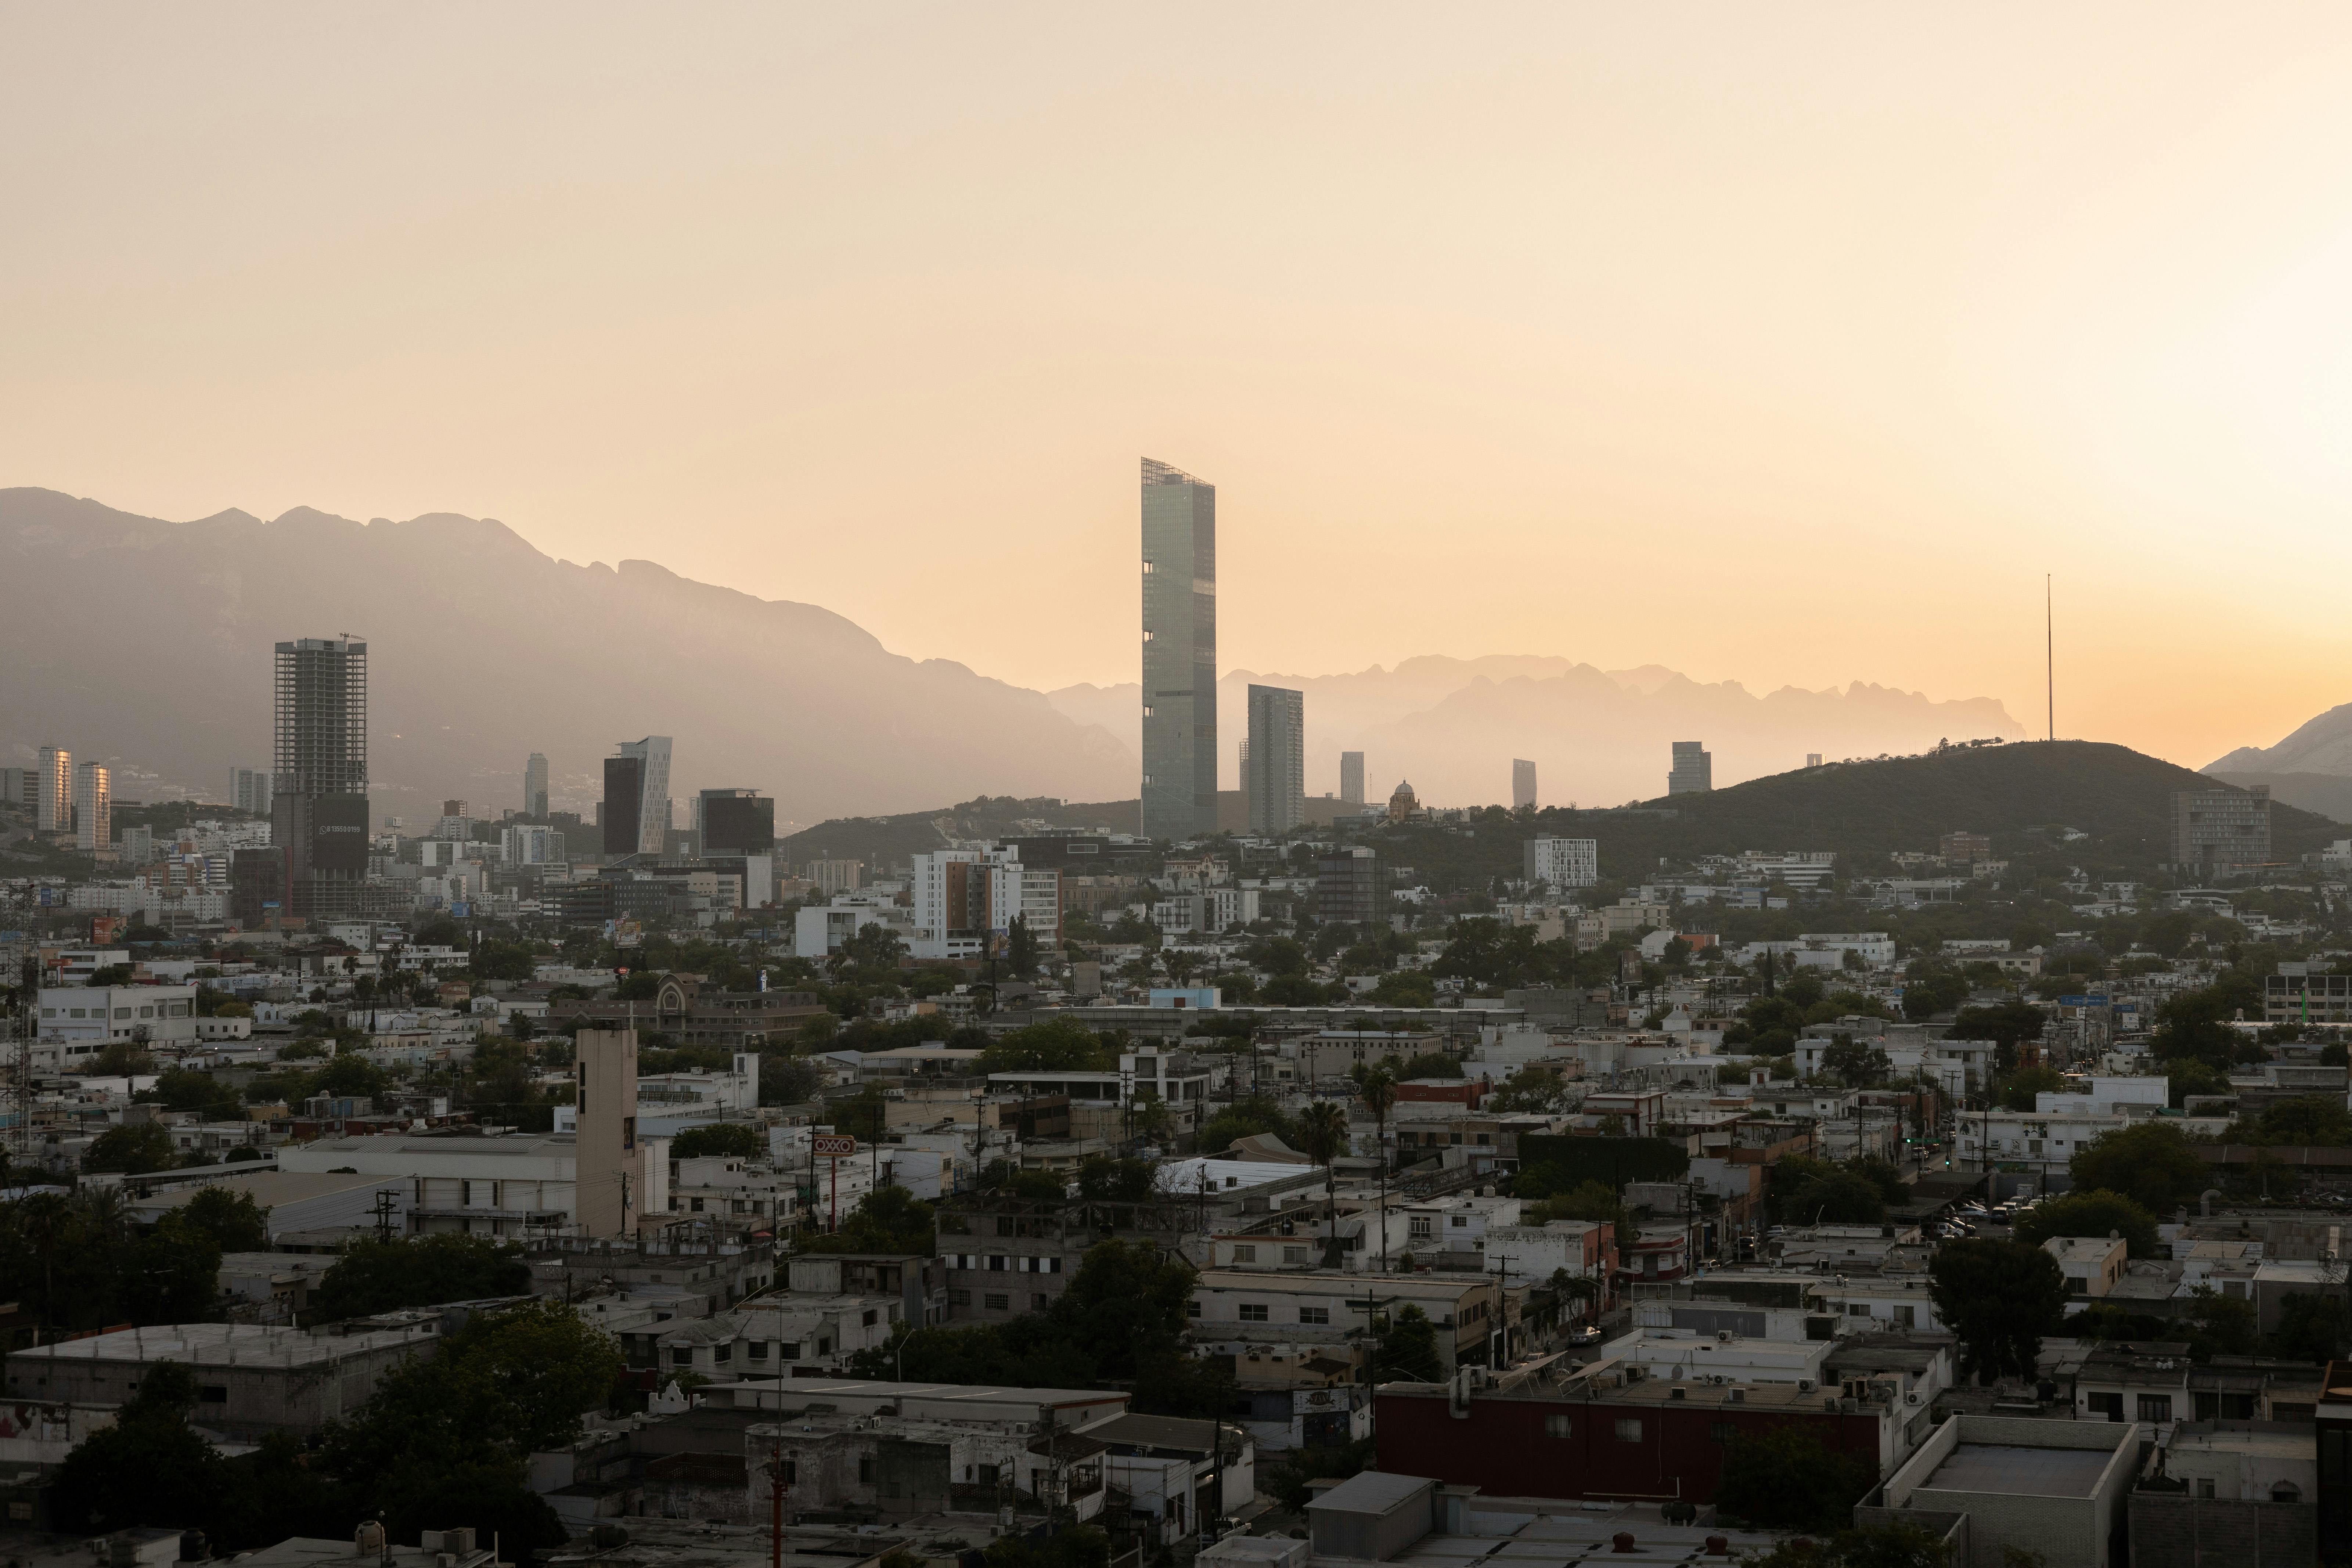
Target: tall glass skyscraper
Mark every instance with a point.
(534, 785)
(1180, 653)
(1276, 759)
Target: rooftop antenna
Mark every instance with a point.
(2050, 656)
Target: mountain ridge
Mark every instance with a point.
(484, 648)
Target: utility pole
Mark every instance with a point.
(776, 1489)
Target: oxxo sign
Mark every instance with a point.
(835, 1143)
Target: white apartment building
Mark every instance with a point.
(529, 846)
(84, 1018)
(1562, 862)
(2105, 1097)
(2039, 1145)
(1214, 910)
(965, 896)
(511, 1187)
(823, 932)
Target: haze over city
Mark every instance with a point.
(1786, 349)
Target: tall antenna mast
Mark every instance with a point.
(2050, 656)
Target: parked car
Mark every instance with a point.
(1584, 1334)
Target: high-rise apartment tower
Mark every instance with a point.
(319, 807)
(1276, 783)
(1694, 769)
(1179, 653)
(636, 797)
(93, 807)
(1523, 785)
(53, 791)
(534, 785)
(1352, 777)
(248, 790)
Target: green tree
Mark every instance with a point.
(1378, 1087)
(134, 1149)
(739, 1140)
(2018, 1091)
(2314, 1326)
(2092, 1213)
(233, 1221)
(1998, 1298)
(1786, 1478)
(1323, 1138)
(1020, 949)
(2006, 1026)
(1057, 1045)
(120, 1058)
(1408, 1349)
(1856, 1063)
(373, 1277)
(495, 960)
(889, 1219)
(2307, 1119)
(149, 1468)
(1246, 1117)
(1816, 1191)
(1405, 989)
(1587, 1201)
(2151, 1162)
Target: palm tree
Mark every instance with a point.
(47, 1219)
(1378, 1085)
(1322, 1134)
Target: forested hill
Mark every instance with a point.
(2027, 795)
(883, 842)
(2017, 793)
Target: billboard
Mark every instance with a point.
(338, 833)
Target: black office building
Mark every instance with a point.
(625, 799)
(738, 822)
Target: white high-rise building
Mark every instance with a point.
(1562, 862)
(93, 808)
(1523, 785)
(248, 790)
(53, 797)
(528, 845)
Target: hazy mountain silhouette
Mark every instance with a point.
(2323, 745)
(148, 643)
(1597, 737)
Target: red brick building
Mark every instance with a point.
(1649, 1439)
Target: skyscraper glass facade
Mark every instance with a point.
(1277, 759)
(1180, 653)
(319, 805)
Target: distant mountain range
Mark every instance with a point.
(1453, 726)
(2311, 768)
(147, 644)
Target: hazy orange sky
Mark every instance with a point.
(1783, 344)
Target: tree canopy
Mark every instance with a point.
(741, 1140)
(2092, 1213)
(373, 1277)
(2151, 1162)
(1998, 1298)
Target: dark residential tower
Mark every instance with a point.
(319, 803)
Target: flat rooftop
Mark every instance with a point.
(221, 1345)
(2003, 1470)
